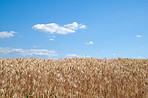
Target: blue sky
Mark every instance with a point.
(69, 28)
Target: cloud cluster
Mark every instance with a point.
(6, 34)
(27, 52)
(89, 43)
(55, 28)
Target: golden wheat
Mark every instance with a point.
(74, 78)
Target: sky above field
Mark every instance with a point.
(74, 28)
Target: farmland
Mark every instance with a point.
(74, 78)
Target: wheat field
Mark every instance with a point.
(73, 78)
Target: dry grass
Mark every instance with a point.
(74, 78)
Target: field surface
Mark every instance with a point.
(73, 78)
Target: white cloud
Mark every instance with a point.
(138, 36)
(71, 55)
(6, 34)
(5, 50)
(76, 55)
(89, 43)
(27, 52)
(51, 39)
(55, 28)
(82, 26)
(73, 26)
